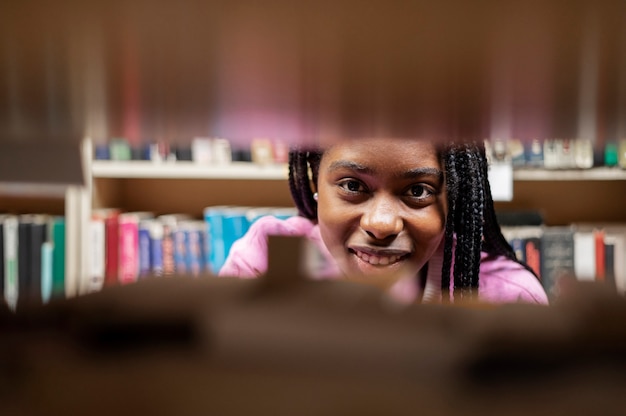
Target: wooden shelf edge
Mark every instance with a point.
(252, 171)
(187, 170)
(594, 174)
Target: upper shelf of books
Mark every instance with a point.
(214, 158)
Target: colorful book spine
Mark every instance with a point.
(179, 237)
(217, 254)
(47, 253)
(169, 225)
(194, 247)
(167, 249)
(58, 258)
(156, 248)
(111, 269)
(129, 245)
(532, 249)
(598, 235)
(145, 263)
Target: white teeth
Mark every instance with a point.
(377, 260)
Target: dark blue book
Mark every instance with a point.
(557, 245)
(145, 263)
(156, 248)
(180, 263)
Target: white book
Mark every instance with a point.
(585, 255)
(97, 255)
(11, 285)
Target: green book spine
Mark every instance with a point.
(58, 258)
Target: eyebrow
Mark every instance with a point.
(346, 164)
(413, 173)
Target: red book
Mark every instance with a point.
(600, 254)
(111, 242)
(128, 261)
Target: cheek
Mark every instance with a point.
(428, 228)
(335, 221)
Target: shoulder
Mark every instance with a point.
(503, 280)
(248, 255)
(270, 225)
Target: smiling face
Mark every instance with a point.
(381, 205)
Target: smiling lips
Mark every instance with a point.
(380, 258)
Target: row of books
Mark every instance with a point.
(548, 153)
(32, 258)
(584, 251)
(123, 248)
(558, 153)
(127, 246)
(204, 150)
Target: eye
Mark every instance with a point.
(419, 192)
(352, 186)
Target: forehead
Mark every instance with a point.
(384, 153)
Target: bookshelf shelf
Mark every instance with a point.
(595, 174)
(187, 170)
(252, 171)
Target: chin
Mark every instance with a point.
(383, 276)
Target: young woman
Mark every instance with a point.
(413, 216)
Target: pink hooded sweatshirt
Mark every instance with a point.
(501, 279)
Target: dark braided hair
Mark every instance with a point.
(471, 214)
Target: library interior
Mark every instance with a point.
(193, 196)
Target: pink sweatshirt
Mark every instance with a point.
(501, 280)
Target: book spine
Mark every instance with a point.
(599, 249)
(532, 248)
(58, 258)
(213, 217)
(111, 276)
(517, 244)
(38, 236)
(194, 248)
(98, 255)
(128, 248)
(145, 263)
(178, 235)
(156, 248)
(558, 258)
(24, 278)
(47, 253)
(167, 250)
(585, 255)
(609, 262)
(11, 261)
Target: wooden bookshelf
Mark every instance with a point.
(563, 196)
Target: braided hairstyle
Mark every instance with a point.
(471, 216)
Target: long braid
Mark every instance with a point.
(452, 180)
(466, 218)
(300, 183)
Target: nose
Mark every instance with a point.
(382, 218)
